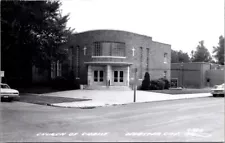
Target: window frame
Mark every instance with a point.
(121, 77)
(165, 60)
(116, 49)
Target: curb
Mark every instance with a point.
(87, 107)
(108, 105)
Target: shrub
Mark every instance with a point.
(146, 82)
(62, 83)
(167, 83)
(153, 85)
(139, 87)
(159, 84)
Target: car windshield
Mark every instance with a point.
(4, 86)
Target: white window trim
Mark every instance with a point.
(116, 57)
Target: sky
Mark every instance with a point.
(180, 23)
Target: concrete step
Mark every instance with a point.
(98, 87)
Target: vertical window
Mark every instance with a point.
(147, 59)
(101, 76)
(111, 48)
(164, 75)
(115, 76)
(95, 75)
(60, 69)
(141, 62)
(53, 70)
(121, 49)
(117, 49)
(71, 56)
(121, 76)
(57, 68)
(77, 61)
(165, 57)
(97, 49)
(105, 48)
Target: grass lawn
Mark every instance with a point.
(46, 100)
(37, 90)
(183, 91)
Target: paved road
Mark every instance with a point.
(199, 119)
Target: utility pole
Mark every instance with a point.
(135, 83)
(182, 74)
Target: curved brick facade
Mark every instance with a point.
(85, 63)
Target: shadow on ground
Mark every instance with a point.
(182, 91)
(47, 100)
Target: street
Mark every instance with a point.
(198, 119)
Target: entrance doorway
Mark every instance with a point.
(99, 77)
(118, 77)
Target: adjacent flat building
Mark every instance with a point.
(110, 57)
(197, 74)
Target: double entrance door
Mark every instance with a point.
(99, 77)
(117, 77)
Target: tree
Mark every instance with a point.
(146, 82)
(179, 56)
(32, 34)
(201, 54)
(219, 51)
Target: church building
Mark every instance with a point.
(110, 57)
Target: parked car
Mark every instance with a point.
(7, 93)
(218, 90)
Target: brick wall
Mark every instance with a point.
(156, 58)
(189, 75)
(216, 76)
(194, 75)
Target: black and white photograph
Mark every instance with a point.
(112, 71)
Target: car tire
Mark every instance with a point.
(10, 100)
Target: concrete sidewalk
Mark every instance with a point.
(101, 98)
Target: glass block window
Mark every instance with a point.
(97, 49)
(118, 49)
(109, 48)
